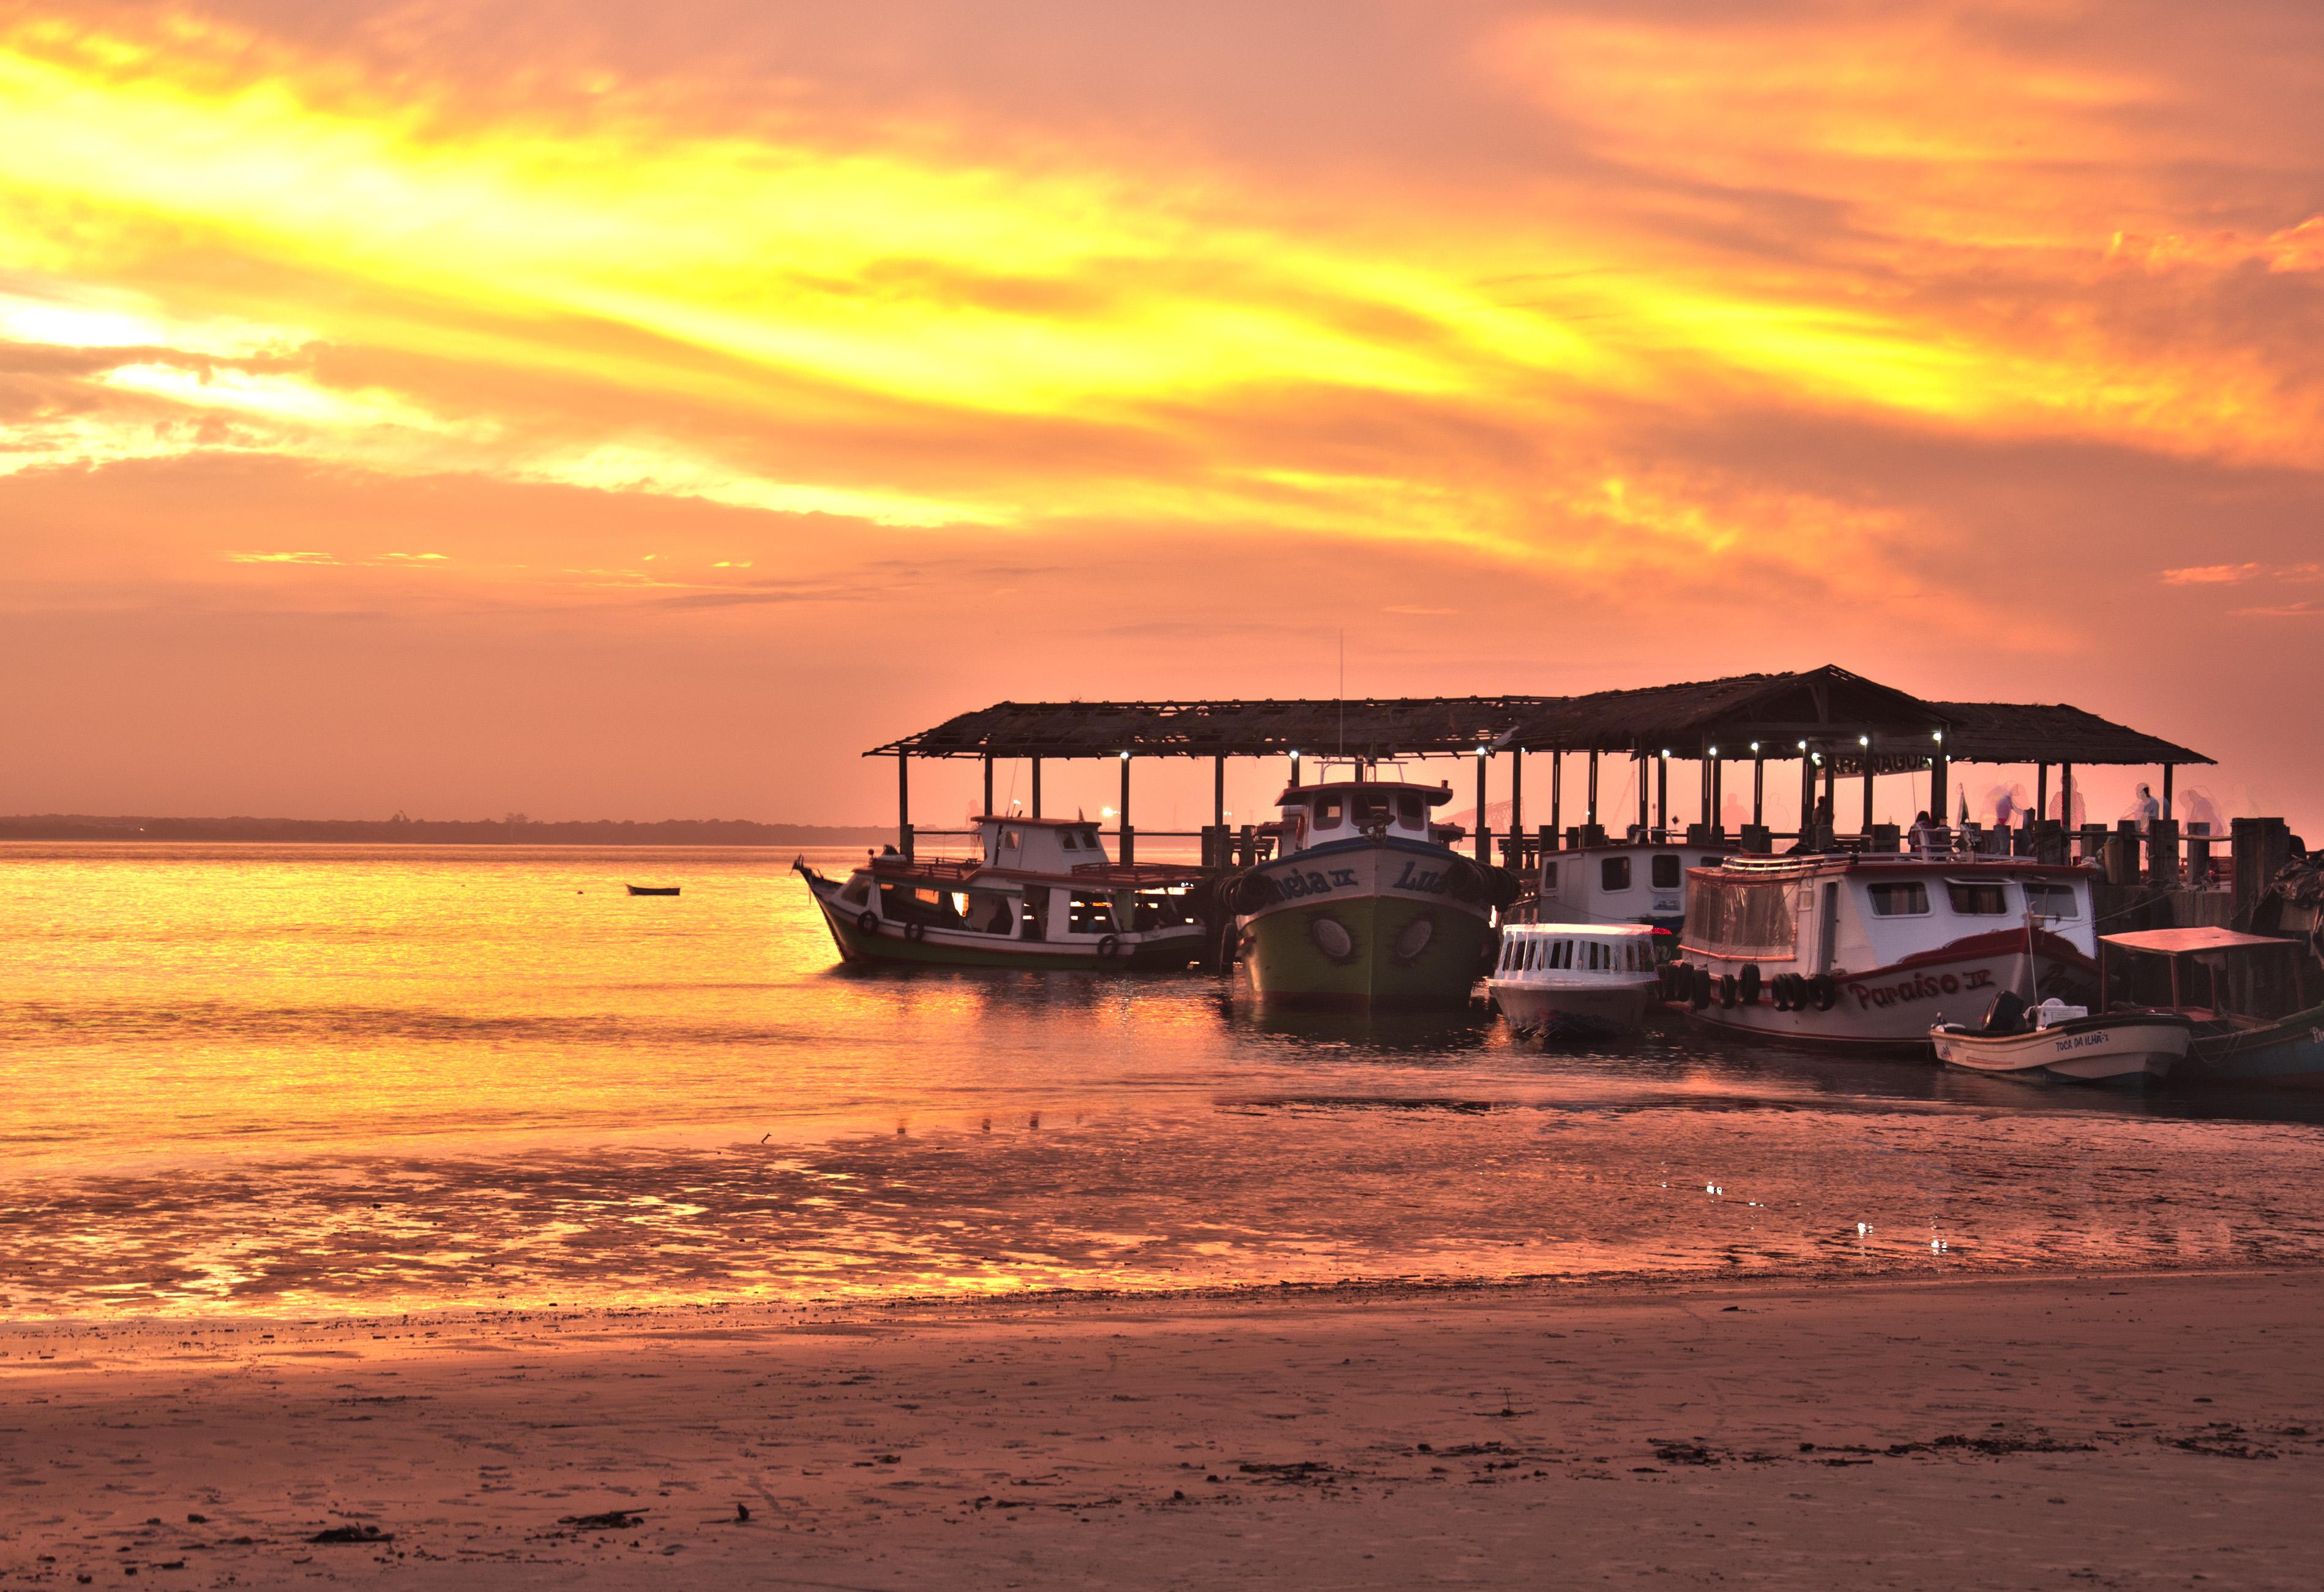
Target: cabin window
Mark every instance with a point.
(1069, 840)
(1548, 879)
(910, 904)
(1732, 918)
(1907, 900)
(1614, 873)
(857, 893)
(1090, 915)
(1329, 811)
(1973, 897)
(1012, 838)
(1410, 812)
(986, 912)
(1089, 840)
(1667, 872)
(2051, 901)
(1371, 808)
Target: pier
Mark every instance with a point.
(1844, 732)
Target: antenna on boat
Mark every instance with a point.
(1343, 691)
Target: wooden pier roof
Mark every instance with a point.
(1828, 708)
(2051, 733)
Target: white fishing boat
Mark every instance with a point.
(1618, 881)
(1575, 978)
(1868, 950)
(1040, 893)
(2065, 1044)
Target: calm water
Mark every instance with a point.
(321, 1079)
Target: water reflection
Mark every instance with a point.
(310, 1078)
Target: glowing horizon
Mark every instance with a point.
(432, 314)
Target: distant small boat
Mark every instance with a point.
(652, 889)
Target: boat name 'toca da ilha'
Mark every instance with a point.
(1039, 894)
(1871, 950)
(1366, 906)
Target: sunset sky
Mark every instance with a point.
(638, 411)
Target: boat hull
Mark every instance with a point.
(1893, 1009)
(2125, 1051)
(1366, 926)
(1604, 1007)
(890, 944)
(2288, 1054)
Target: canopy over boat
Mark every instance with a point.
(2184, 941)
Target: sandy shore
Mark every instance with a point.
(2115, 1431)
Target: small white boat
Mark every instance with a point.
(2065, 1044)
(1568, 978)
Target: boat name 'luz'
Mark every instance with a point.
(1923, 987)
(1429, 880)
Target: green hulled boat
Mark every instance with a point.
(1367, 909)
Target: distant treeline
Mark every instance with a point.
(514, 831)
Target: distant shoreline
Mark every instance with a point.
(432, 831)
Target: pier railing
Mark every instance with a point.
(2162, 853)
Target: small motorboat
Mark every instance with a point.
(2065, 1044)
(652, 889)
(1576, 979)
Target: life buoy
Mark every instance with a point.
(1502, 886)
(916, 931)
(1727, 990)
(1823, 991)
(1465, 881)
(1107, 947)
(1253, 892)
(868, 921)
(1747, 984)
(1786, 991)
(1670, 973)
(1699, 991)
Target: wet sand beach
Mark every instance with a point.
(2028, 1432)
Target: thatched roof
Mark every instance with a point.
(2051, 733)
(1830, 708)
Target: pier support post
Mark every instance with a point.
(1295, 768)
(2168, 769)
(1710, 783)
(1661, 792)
(1866, 830)
(1484, 830)
(1758, 789)
(904, 804)
(988, 788)
(1940, 786)
(2066, 795)
(1592, 811)
(1128, 835)
(1514, 845)
(1219, 791)
(1556, 796)
(2041, 790)
(1807, 794)
(1037, 787)
(1642, 790)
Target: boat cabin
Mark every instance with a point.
(1319, 814)
(1837, 913)
(1625, 883)
(1040, 845)
(1609, 949)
